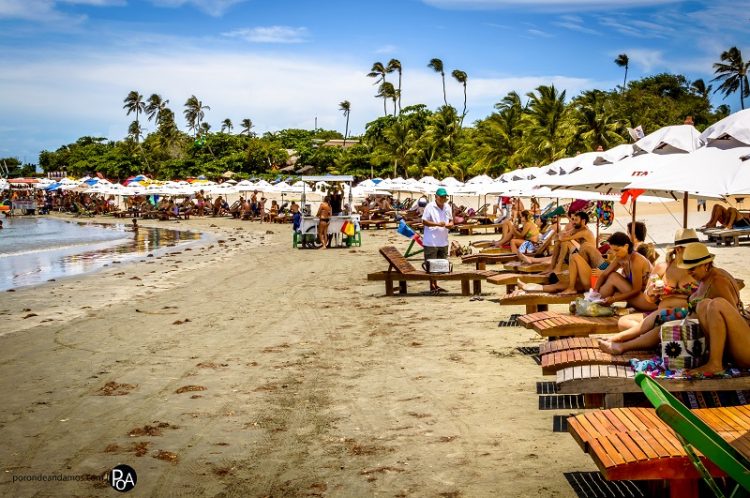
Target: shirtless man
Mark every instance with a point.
(576, 234)
(324, 218)
(727, 218)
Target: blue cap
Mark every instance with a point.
(441, 192)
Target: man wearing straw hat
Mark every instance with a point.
(437, 220)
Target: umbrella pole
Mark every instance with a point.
(632, 225)
(685, 210)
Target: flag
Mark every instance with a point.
(636, 133)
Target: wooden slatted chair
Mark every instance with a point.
(730, 454)
(634, 444)
(554, 361)
(606, 385)
(481, 260)
(471, 228)
(553, 324)
(509, 280)
(537, 301)
(401, 270)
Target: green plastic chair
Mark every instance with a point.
(694, 434)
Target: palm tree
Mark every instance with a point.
(388, 91)
(134, 131)
(247, 125)
(595, 122)
(134, 103)
(227, 125)
(379, 71)
(547, 126)
(437, 66)
(700, 88)
(346, 108)
(732, 72)
(623, 61)
(395, 65)
(461, 77)
(194, 113)
(155, 106)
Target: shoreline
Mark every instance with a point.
(253, 369)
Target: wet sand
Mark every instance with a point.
(247, 368)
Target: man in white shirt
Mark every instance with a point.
(437, 220)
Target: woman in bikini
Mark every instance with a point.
(630, 282)
(719, 310)
(669, 287)
(529, 232)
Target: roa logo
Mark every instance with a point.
(123, 478)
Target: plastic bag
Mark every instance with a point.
(583, 307)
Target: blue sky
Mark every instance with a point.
(68, 64)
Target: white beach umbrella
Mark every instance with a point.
(429, 180)
(735, 125)
(450, 182)
(480, 180)
(717, 170)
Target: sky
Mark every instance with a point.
(67, 65)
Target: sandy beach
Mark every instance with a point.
(243, 367)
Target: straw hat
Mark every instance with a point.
(695, 254)
(684, 236)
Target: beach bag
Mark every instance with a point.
(584, 307)
(683, 344)
(347, 228)
(437, 266)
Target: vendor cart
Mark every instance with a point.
(343, 229)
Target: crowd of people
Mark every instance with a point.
(621, 268)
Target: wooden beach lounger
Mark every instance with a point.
(608, 384)
(724, 236)
(565, 353)
(482, 259)
(470, 228)
(509, 280)
(401, 270)
(537, 301)
(521, 267)
(636, 443)
(553, 324)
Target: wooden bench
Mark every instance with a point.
(558, 359)
(537, 301)
(401, 270)
(724, 236)
(521, 267)
(509, 280)
(606, 385)
(482, 259)
(469, 229)
(553, 324)
(635, 444)
(379, 223)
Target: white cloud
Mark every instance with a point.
(539, 33)
(215, 8)
(563, 5)
(271, 34)
(59, 96)
(36, 11)
(646, 59)
(386, 49)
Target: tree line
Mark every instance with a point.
(530, 130)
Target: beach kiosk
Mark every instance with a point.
(347, 221)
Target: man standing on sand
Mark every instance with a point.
(324, 218)
(437, 220)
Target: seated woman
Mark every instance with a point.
(715, 288)
(727, 218)
(629, 283)
(528, 232)
(669, 287)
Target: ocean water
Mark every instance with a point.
(34, 250)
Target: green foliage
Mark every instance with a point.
(413, 141)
